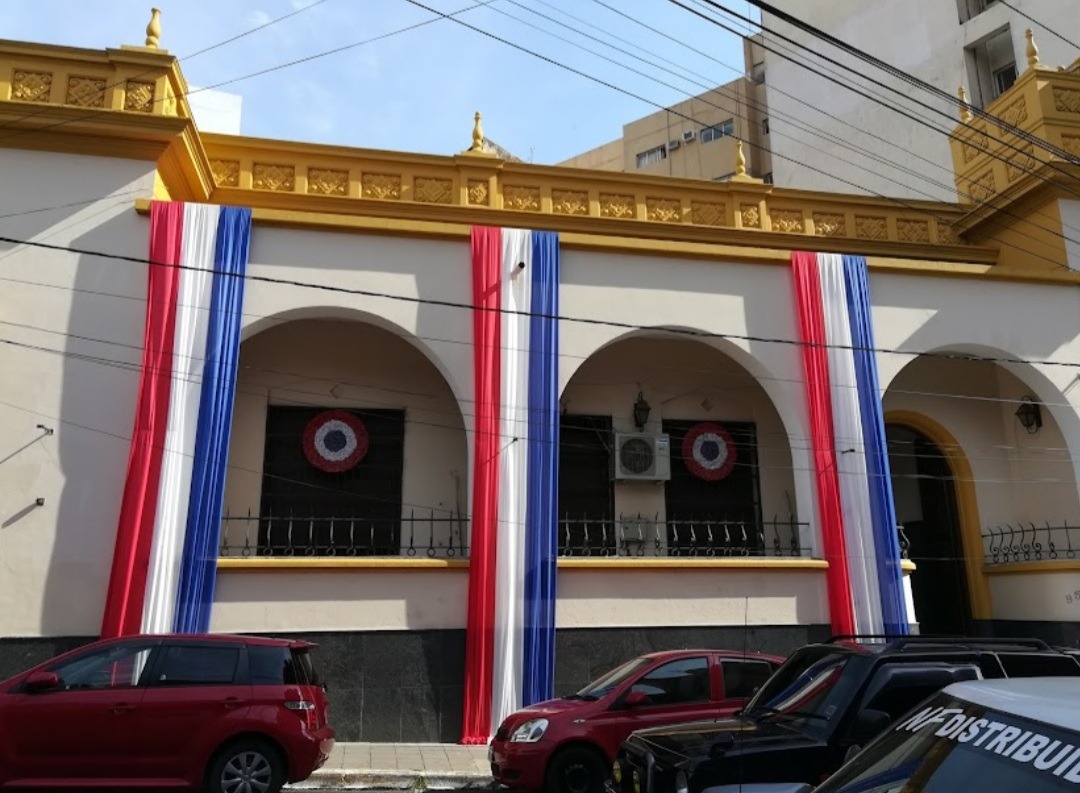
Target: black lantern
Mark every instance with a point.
(641, 411)
(1029, 414)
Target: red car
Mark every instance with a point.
(230, 714)
(568, 745)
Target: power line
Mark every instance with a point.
(560, 317)
(804, 126)
(906, 77)
(203, 51)
(1048, 29)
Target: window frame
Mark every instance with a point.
(660, 151)
(725, 129)
(240, 674)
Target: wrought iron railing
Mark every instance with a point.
(1031, 542)
(434, 536)
(641, 536)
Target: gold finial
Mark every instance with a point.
(1032, 50)
(740, 160)
(965, 109)
(477, 134)
(153, 30)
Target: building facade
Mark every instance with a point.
(689, 506)
(827, 137)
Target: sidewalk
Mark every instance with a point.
(405, 766)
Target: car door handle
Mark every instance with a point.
(123, 707)
(232, 702)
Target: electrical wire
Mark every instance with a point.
(1047, 28)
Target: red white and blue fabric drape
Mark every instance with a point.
(510, 641)
(164, 562)
(847, 429)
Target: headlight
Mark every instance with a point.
(530, 732)
(681, 785)
(616, 773)
(637, 782)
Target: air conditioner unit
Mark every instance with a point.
(643, 458)
(689, 136)
(673, 144)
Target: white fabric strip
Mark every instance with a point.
(506, 695)
(850, 450)
(189, 352)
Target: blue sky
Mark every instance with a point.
(416, 90)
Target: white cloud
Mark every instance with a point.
(258, 17)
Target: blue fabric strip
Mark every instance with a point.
(541, 518)
(198, 571)
(879, 475)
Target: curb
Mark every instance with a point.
(392, 780)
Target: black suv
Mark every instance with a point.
(819, 708)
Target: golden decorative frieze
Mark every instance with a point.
(1016, 113)
(871, 227)
(1067, 100)
(432, 190)
(479, 192)
(617, 205)
(789, 221)
(31, 86)
(751, 216)
(830, 224)
(85, 91)
(1020, 164)
(570, 202)
(327, 181)
(663, 210)
(139, 96)
(226, 172)
(522, 198)
(909, 230)
(947, 234)
(1071, 144)
(273, 177)
(976, 145)
(708, 213)
(382, 186)
(983, 187)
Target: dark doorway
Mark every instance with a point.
(925, 495)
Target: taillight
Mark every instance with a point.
(306, 710)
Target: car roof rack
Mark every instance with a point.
(900, 641)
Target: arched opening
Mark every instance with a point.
(346, 441)
(928, 511)
(724, 483)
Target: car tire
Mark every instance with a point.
(577, 770)
(256, 764)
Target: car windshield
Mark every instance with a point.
(612, 680)
(804, 689)
(949, 744)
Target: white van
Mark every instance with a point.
(987, 736)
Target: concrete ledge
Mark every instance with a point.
(343, 779)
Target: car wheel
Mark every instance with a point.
(249, 766)
(576, 771)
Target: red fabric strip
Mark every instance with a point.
(134, 535)
(819, 399)
(487, 356)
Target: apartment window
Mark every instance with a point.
(969, 9)
(758, 72)
(717, 131)
(765, 126)
(1004, 78)
(767, 178)
(652, 155)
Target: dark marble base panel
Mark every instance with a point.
(1056, 634)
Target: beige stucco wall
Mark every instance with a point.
(55, 559)
(346, 600)
(349, 364)
(1040, 596)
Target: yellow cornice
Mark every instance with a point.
(1044, 566)
(621, 563)
(280, 563)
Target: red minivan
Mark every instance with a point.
(567, 745)
(227, 714)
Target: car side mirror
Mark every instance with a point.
(636, 699)
(42, 681)
(868, 724)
